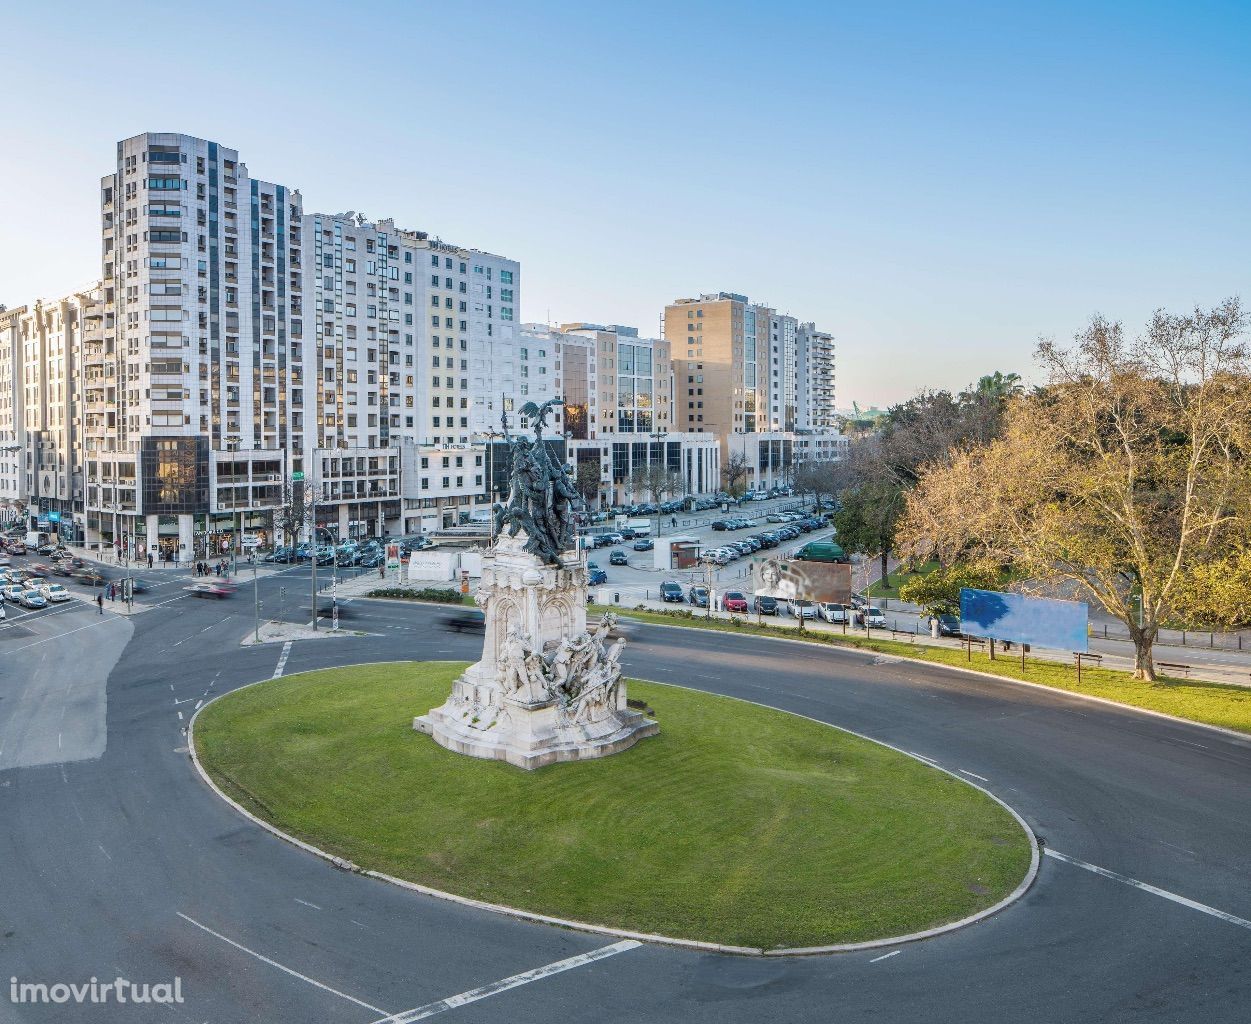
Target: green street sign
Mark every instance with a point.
(296, 477)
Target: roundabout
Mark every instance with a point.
(738, 825)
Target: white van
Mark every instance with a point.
(641, 527)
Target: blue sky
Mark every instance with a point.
(938, 184)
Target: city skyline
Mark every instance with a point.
(935, 227)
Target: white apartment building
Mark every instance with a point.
(12, 434)
(196, 391)
(415, 343)
(815, 377)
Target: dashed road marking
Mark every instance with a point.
(473, 995)
(307, 904)
(282, 660)
(887, 956)
(1116, 876)
(972, 775)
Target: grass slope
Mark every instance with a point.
(1194, 699)
(737, 824)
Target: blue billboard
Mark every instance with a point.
(1038, 621)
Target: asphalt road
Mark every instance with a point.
(126, 864)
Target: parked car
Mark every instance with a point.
(698, 596)
(643, 544)
(874, 617)
(33, 600)
(618, 557)
(733, 601)
(671, 592)
(720, 524)
(371, 561)
(766, 605)
(13, 592)
(832, 611)
(596, 577)
(802, 609)
(949, 625)
(54, 592)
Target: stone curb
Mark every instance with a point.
(848, 649)
(582, 926)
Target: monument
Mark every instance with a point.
(547, 688)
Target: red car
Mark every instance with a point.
(733, 601)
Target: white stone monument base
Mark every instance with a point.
(547, 689)
(530, 735)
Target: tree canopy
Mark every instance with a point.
(1124, 479)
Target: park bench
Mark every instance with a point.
(1184, 669)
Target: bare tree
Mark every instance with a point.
(295, 514)
(586, 481)
(734, 472)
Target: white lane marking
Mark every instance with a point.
(48, 640)
(180, 716)
(274, 963)
(306, 903)
(930, 760)
(886, 957)
(972, 775)
(473, 995)
(1118, 877)
(282, 660)
(58, 741)
(103, 850)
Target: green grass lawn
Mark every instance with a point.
(1193, 699)
(890, 586)
(737, 824)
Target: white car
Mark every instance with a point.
(832, 611)
(54, 592)
(874, 617)
(802, 609)
(13, 592)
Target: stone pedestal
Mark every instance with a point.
(547, 688)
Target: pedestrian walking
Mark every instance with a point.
(382, 570)
(100, 603)
(673, 521)
(150, 560)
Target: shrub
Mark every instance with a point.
(440, 595)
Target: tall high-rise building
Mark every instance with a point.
(733, 364)
(199, 378)
(815, 375)
(12, 432)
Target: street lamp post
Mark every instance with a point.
(659, 437)
(491, 436)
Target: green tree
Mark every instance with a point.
(864, 523)
(938, 592)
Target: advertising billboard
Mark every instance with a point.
(1038, 621)
(813, 581)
